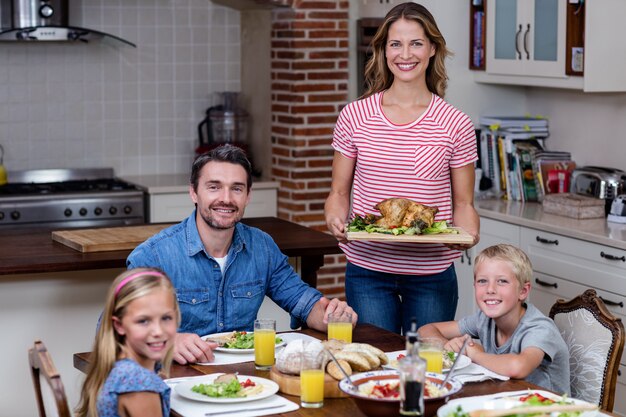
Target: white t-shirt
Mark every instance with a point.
(221, 262)
(406, 161)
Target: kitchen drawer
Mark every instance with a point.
(588, 264)
(493, 232)
(546, 289)
(174, 207)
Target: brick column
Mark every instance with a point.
(309, 86)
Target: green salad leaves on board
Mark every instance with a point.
(361, 224)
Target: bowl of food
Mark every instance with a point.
(377, 393)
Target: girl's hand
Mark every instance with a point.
(472, 350)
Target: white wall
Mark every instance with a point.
(75, 105)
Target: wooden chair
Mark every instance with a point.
(595, 339)
(41, 366)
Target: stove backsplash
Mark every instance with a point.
(133, 109)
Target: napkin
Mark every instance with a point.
(190, 408)
(223, 358)
(476, 373)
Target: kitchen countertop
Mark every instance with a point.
(532, 215)
(179, 183)
(34, 251)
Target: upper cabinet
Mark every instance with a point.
(528, 37)
(549, 43)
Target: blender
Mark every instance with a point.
(224, 123)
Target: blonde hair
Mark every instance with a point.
(128, 286)
(378, 76)
(519, 261)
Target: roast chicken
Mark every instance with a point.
(397, 212)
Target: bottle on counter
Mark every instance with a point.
(412, 370)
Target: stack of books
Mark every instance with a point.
(512, 154)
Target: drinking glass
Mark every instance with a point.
(264, 343)
(340, 326)
(311, 380)
(431, 349)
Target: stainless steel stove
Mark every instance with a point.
(69, 198)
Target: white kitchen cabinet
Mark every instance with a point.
(492, 232)
(526, 45)
(526, 37)
(174, 207)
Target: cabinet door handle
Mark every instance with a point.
(546, 284)
(469, 258)
(612, 257)
(547, 241)
(612, 303)
(526, 41)
(519, 31)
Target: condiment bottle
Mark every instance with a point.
(412, 377)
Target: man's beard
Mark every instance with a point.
(212, 223)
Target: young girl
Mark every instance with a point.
(135, 338)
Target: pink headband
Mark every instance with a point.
(133, 276)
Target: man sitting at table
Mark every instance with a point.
(221, 268)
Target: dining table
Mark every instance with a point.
(362, 333)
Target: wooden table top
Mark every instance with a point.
(363, 333)
(34, 251)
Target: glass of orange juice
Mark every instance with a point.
(311, 379)
(431, 350)
(264, 343)
(340, 326)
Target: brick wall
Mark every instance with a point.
(309, 86)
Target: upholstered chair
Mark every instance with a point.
(595, 339)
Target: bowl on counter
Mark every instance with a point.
(390, 407)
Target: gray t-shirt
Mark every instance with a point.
(534, 330)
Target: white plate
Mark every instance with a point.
(233, 350)
(393, 358)
(502, 400)
(184, 389)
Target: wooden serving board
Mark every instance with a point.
(107, 239)
(290, 384)
(454, 238)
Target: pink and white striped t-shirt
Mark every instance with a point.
(408, 161)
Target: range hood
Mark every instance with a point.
(44, 20)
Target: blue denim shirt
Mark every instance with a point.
(211, 303)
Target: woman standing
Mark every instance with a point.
(403, 140)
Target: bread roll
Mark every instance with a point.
(334, 371)
(288, 360)
(372, 359)
(356, 360)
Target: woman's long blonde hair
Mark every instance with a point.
(108, 344)
(378, 76)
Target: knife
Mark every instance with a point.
(239, 410)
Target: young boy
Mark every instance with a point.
(517, 339)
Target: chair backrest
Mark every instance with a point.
(595, 339)
(42, 367)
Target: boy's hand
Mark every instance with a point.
(456, 343)
(472, 349)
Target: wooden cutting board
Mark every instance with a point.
(454, 238)
(107, 239)
(290, 384)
